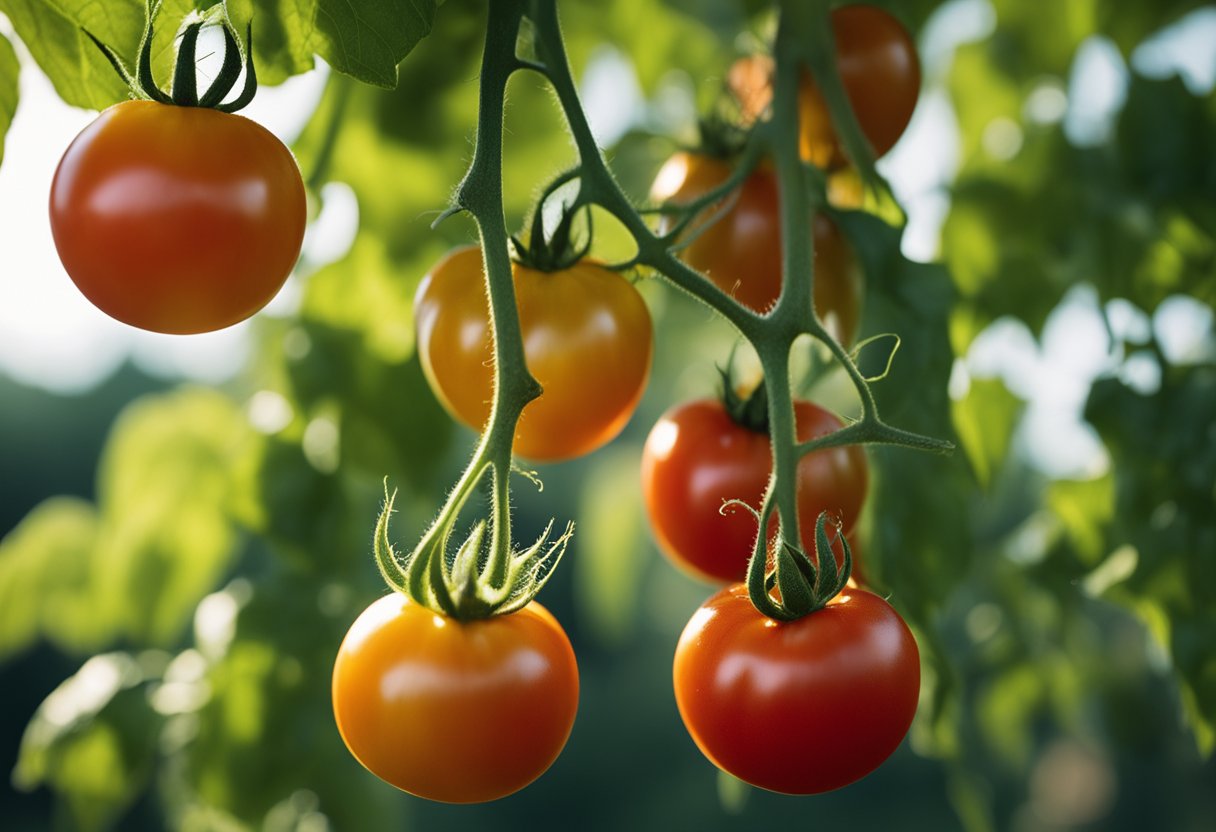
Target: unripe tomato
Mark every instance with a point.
(177, 219)
(741, 251)
(587, 339)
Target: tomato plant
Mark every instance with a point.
(177, 219)
(802, 706)
(880, 72)
(587, 340)
(741, 250)
(456, 711)
(697, 457)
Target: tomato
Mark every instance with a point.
(879, 70)
(587, 340)
(177, 219)
(741, 251)
(697, 456)
(803, 706)
(460, 712)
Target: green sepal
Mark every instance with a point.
(806, 586)
(468, 586)
(184, 91)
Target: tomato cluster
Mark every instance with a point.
(811, 704)
(471, 710)
(177, 216)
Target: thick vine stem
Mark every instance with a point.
(804, 40)
(484, 579)
(473, 584)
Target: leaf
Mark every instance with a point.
(81, 74)
(365, 40)
(46, 573)
(1165, 508)
(163, 489)
(9, 69)
(985, 419)
(93, 741)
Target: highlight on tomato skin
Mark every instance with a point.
(797, 707)
(177, 220)
(588, 340)
(452, 711)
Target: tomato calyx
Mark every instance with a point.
(184, 90)
(749, 410)
(722, 137)
(558, 252)
(484, 578)
(803, 585)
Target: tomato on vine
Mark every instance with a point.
(455, 711)
(880, 72)
(174, 214)
(802, 706)
(741, 250)
(587, 340)
(698, 456)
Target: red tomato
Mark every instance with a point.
(177, 219)
(741, 251)
(880, 72)
(587, 340)
(696, 457)
(460, 712)
(799, 707)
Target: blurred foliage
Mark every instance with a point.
(201, 586)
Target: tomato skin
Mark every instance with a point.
(880, 72)
(587, 339)
(696, 457)
(177, 219)
(798, 707)
(741, 251)
(458, 712)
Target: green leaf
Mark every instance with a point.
(164, 486)
(1165, 510)
(93, 741)
(53, 34)
(985, 419)
(365, 40)
(46, 571)
(9, 69)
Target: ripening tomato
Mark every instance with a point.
(697, 457)
(455, 711)
(741, 251)
(879, 70)
(587, 340)
(799, 707)
(177, 219)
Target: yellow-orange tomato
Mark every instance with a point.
(587, 340)
(460, 712)
(879, 70)
(741, 251)
(177, 219)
